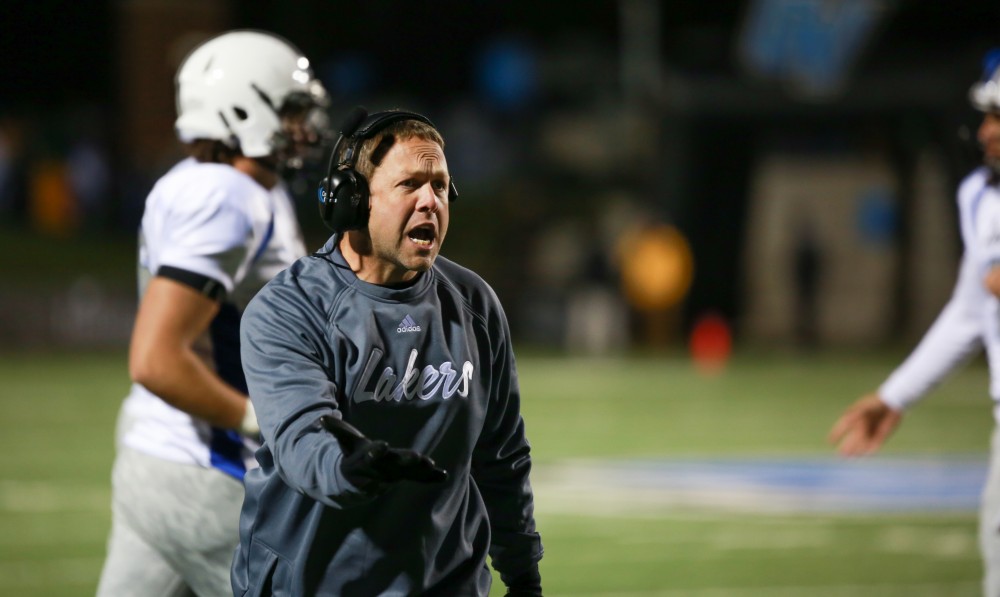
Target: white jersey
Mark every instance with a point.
(971, 319)
(217, 222)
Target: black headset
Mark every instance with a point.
(343, 194)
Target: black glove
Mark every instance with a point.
(370, 464)
(527, 584)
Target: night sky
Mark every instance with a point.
(55, 52)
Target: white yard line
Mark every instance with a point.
(956, 589)
(762, 486)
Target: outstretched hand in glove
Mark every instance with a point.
(371, 464)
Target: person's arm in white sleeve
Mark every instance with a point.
(205, 234)
(950, 341)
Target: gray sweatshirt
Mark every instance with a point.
(427, 367)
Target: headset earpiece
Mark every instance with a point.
(348, 209)
(323, 198)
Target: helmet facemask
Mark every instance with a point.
(305, 131)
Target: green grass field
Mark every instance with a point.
(57, 414)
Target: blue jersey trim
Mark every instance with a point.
(267, 240)
(225, 452)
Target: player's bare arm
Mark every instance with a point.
(864, 426)
(161, 356)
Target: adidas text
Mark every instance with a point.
(407, 325)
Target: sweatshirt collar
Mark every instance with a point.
(415, 288)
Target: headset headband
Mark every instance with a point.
(359, 126)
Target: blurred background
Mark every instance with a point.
(787, 166)
(765, 186)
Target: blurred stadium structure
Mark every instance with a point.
(807, 150)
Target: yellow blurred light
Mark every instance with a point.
(657, 268)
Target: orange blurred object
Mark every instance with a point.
(52, 204)
(711, 344)
(656, 268)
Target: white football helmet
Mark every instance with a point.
(985, 94)
(233, 87)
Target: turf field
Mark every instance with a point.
(641, 534)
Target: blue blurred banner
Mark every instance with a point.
(810, 44)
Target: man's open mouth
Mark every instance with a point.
(422, 236)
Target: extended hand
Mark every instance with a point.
(370, 463)
(864, 426)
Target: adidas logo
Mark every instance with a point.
(408, 325)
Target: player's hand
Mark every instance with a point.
(370, 464)
(864, 426)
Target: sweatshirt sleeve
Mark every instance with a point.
(501, 464)
(955, 335)
(285, 357)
